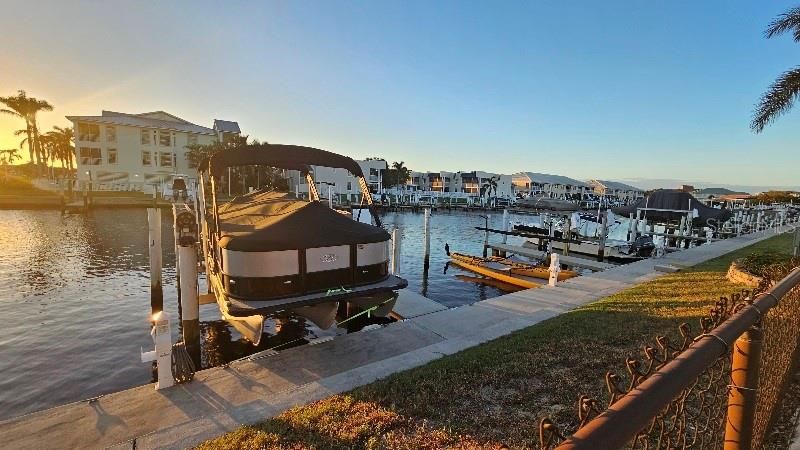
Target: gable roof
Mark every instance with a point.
(618, 186)
(546, 178)
(717, 191)
(226, 126)
(145, 120)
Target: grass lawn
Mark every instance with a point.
(496, 393)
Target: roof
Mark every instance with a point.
(544, 178)
(226, 126)
(155, 119)
(717, 191)
(618, 186)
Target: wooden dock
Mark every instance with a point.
(250, 390)
(573, 261)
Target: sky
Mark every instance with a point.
(656, 92)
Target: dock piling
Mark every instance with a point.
(155, 252)
(505, 225)
(555, 268)
(189, 300)
(427, 237)
(601, 247)
(396, 251)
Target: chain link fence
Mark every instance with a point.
(685, 394)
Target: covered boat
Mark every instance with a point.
(666, 205)
(268, 251)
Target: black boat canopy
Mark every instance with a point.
(274, 221)
(674, 199)
(291, 157)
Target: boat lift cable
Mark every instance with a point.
(183, 367)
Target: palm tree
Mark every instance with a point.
(26, 108)
(783, 92)
(7, 157)
(490, 186)
(19, 106)
(59, 142)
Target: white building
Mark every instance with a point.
(615, 189)
(122, 151)
(554, 186)
(343, 187)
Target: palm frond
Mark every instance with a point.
(788, 21)
(778, 100)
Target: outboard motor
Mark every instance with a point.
(643, 246)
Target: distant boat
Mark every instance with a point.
(267, 251)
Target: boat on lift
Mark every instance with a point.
(268, 251)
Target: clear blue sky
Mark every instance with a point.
(615, 90)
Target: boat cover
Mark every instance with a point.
(273, 221)
(547, 203)
(292, 157)
(677, 200)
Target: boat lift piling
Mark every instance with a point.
(427, 225)
(601, 247)
(155, 251)
(186, 235)
(396, 251)
(505, 225)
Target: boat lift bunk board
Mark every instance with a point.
(267, 251)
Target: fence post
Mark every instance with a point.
(743, 391)
(796, 240)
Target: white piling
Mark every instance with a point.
(155, 252)
(162, 355)
(555, 268)
(505, 226)
(396, 251)
(427, 236)
(190, 305)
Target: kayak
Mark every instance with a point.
(515, 267)
(497, 271)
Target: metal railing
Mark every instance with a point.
(720, 389)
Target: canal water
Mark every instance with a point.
(74, 300)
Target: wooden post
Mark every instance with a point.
(743, 390)
(568, 234)
(601, 248)
(486, 235)
(189, 300)
(796, 241)
(154, 231)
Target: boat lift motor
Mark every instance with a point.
(162, 355)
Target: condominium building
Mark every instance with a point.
(615, 189)
(555, 186)
(138, 151)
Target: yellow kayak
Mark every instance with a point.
(515, 268)
(500, 275)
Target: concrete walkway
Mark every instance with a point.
(248, 391)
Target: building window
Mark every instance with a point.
(88, 132)
(165, 159)
(349, 185)
(112, 156)
(90, 156)
(146, 158)
(111, 133)
(192, 139)
(164, 138)
(145, 137)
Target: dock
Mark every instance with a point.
(253, 389)
(583, 263)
